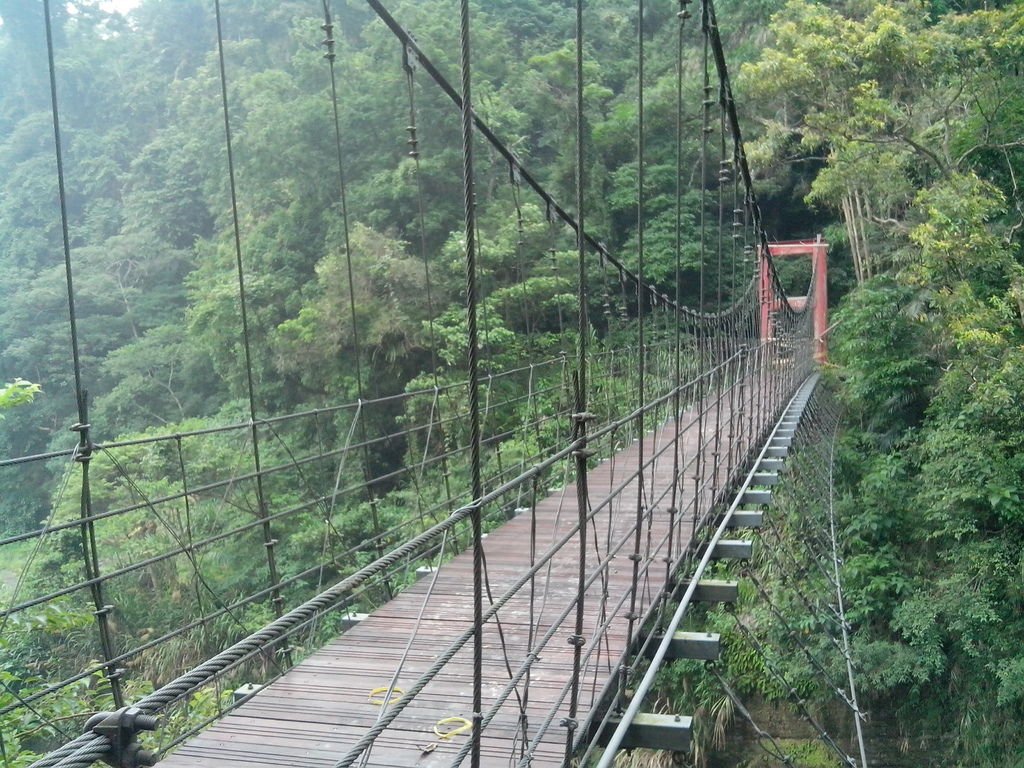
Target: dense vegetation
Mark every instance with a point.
(901, 122)
(150, 224)
(916, 114)
(153, 254)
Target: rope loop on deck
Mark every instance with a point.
(379, 696)
(463, 726)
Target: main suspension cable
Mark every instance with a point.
(84, 450)
(473, 359)
(269, 542)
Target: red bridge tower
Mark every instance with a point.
(818, 251)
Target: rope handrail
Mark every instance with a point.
(181, 686)
(645, 684)
(518, 170)
(729, 356)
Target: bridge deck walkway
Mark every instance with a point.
(320, 708)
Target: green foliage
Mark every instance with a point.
(910, 112)
(894, 98)
(808, 753)
(934, 520)
(20, 392)
(882, 325)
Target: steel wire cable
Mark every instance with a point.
(757, 647)
(775, 750)
(721, 336)
(83, 455)
(269, 542)
(795, 637)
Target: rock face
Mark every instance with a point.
(886, 746)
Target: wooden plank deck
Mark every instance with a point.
(320, 708)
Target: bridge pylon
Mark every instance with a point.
(771, 303)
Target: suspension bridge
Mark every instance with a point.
(559, 521)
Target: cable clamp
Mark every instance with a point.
(84, 451)
(584, 417)
(515, 171)
(104, 611)
(636, 557)
(328, 41)
(569, 723)
(412, 59)
(120, 728)
(576, 641)
(584, 453)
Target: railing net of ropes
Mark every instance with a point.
(791, 614)
(330, 512)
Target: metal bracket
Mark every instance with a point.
(412, 58)
(515, 170)
(120, 728)
(84, 454)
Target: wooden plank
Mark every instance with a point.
(313, 715)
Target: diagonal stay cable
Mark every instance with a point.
(775, 751)
(859, 715)
(183, 548)
(20, 584)
(393, 683)
(795, 637)
(757, 647)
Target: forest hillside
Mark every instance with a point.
(894, 129)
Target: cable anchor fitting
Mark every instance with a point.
(515, 171)
(410, 58)
(328, 41)
(85, 449)
(121, 728)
